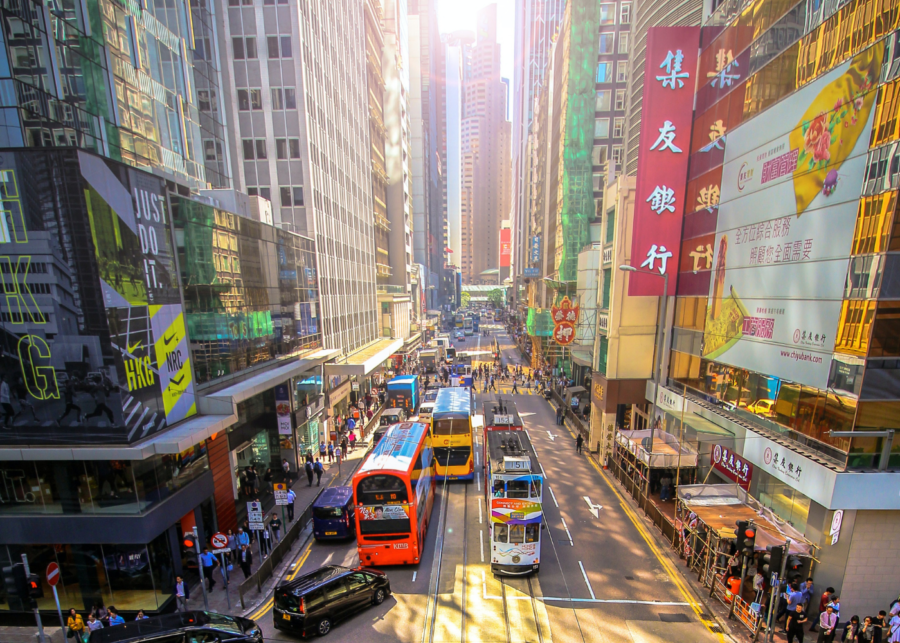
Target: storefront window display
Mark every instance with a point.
(255, 442)
(131, 577)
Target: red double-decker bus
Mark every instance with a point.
(393, 492)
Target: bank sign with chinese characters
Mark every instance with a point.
(665, 142)
(785, 226)
(731, 465)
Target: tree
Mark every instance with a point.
(464, 300)
(496, 297)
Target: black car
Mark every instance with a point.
(313, 603)
(182, 627)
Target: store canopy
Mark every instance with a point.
(364, 361)
(721, 506)
(581, 356)
(665, 453)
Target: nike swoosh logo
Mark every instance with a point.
(168, 340)
(131, 349)
(178, 381)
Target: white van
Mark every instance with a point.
(425, 411)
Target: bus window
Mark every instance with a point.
(535, 488)
(517, 489)
(532, 533)
(498, 488)
(500, 531)
(381, 490)
(517, 534)
(450, 427)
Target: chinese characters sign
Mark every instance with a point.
(732, 466)
(663, 158)
(565, 315)
(534, 255)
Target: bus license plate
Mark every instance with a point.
(401, 545)
(331, 533)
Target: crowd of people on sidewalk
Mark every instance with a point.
(79, 628)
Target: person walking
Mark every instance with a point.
(337, 454)
(265, 542)
(246, 560)
(515, 388)
(208, 560)
(344, 446)
(330, 452)
(267, 480)
(308, 467)
(559, 414)
(851, 631)
(319, 469)
(493, 384)
(275, 524)
(352, 441)
(94, 624)
(243, 537)
(181, 594)
(286, 468)
(827, 622)
(823, 601)
(794, 625)
(291, 497)
(579, 443)
(232, 547)
(322, 450)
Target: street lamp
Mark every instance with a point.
(660, 325)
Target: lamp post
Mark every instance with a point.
(660, 326)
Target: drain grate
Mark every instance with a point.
(674, 618)
(715, 629)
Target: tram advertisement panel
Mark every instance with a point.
(515, 512)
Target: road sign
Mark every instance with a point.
(219, 540)
(52, 574)
(255, 515)
(281, 493)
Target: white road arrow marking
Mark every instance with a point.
(525, 415)
(551, 436)
(594, 509)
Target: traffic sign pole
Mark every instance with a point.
(200, 567)
(37, 614)
(52, 580)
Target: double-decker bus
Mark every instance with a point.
(468, 325)
(458, 320)
(451, 429)
(404, 392)
(514, 487)
(393, 493)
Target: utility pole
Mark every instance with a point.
(200, 566)
(774, 596)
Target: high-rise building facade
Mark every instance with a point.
(297, 74)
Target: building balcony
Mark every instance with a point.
(382, 270)
(382, 222)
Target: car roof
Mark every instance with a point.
(157, 625)
(313, 580)
(333, 497)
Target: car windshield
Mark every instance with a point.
(224, 623)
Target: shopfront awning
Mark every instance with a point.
(412, 344)
(582, 357)
(364, 361)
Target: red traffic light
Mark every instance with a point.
(189, 541)
(750, 533)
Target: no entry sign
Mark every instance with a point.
(219, 540)
(52, 574)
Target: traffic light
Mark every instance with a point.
(15, 582)
(748, 540)
(35, 589)
(772, 560)
(792, 568)
(190, 541)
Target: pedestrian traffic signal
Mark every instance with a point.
(14, 581)
(748, 540)
(772, 560)
(190, 541)
(739, 532)
(793, 567)
(35, 589)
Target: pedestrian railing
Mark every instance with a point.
(749, 617)
(258, 578)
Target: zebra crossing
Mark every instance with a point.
(506, 389)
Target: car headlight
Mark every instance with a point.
(256, 633)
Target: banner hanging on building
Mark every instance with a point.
(785, 227)
(505, 247)
(665, 141)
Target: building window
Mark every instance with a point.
(261, 148)
(244, 48)
(617, 154)
(608, 14)
(264, 192)
(249, 99)
(294, 147)
(598, 157)
(283, 98)
(291, 197)
(603, 100)
(625, 14)
(621, 71)
(254, 148)
(604, 72)
(607, 42)
(248, 149)
(279, 46)
(601, 128)
(287, 148)
(620, 99)
(618, 127)
(623, 42)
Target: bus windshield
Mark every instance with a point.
(458, 426)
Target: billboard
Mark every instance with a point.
(505, 247)
(92, 327)
(663, 157)
(785, 226)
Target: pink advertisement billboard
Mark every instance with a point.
(665, 142)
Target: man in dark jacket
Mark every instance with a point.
(309, 472)
(246, 560)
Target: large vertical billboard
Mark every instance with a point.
(665, 141)
(91, 328)
(505, 247)
(790, 189)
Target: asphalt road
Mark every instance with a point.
(601, 578)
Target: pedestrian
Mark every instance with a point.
(243, 538)
(881, 626)
(515, 388)
(337, 454)
(559, 414)
(291, 497)
(867, 631)
(250, 477)
(808, 589)
(827, 622)
(330, 452)
(493, 385)
(664, 484)
(246, 560)
(823, 601)
(308, 467)
(275, 524)
(352, 440)
(579, 442)
(140, 616)
(233, 545)
(265, 543)
(181, 594)
(209, 562)
(74, 625)
(114, 618)
(319, 469)
(894, 629)
(344, 445)
(286, 467)
(794, 624)
(322, 450)
(94, 623)
(851, 631)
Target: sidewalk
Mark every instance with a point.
(335, 476)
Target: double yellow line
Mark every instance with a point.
(297, 567)
(673, 573)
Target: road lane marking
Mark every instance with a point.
(481, 540)
(478, 479)
(480, 518)
(594, 509)
(622, 601)
(542, 470)
(414, 576)
(551, 436)
(566, 527)
(586, 581)
(553, 495)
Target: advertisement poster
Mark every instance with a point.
(515, 512)
(663, 157)
(505, 247)
(283, 409)
(785, 226)
(383, 512)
